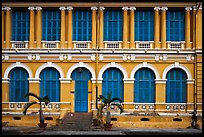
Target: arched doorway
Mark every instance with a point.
(81, 76)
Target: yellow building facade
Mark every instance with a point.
(105, 52)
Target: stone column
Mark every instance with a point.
(39, 27)
(199, 28)
(62, 39)
(156, 28)
(125, 26)
(163, 27)
(160, 94)
(34, 87)
(2, 40)
(5, 88)
(187, 28)
(101, 27)
(69, 27)
(194, 26)
(93, 27)
(132, 28)
(129, 93)
(8, 27)
(32, 20)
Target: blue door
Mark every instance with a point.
(176, 86)
(113, 83)
(81, 76)
(144, 86)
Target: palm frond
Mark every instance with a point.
(119, 106)
(27, 106)
(46, 100)
(116, 99)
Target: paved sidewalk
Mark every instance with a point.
(114, 131)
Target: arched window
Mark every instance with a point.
(113, 83)
(18, 85)
(144, 86)
(176, 86)
(50, 84)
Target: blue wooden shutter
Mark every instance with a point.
(51, 26)
(175, 25)
(113, 25)
(50, 84)
(18, 85)
(113, 83)
(82, 25)
(144, 86)
(176, 86)
(144, 25)
(20, 25)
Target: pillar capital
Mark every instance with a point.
(31, 8)
(194, 8)
(157, 8)
(188, 8)
(101, 8)
(38, 8)
(7, 8)
(132, 8)
(125, 8)
(62, 8)
(69, 8)
(164, 8)
(94, 8)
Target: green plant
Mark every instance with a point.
(44, 99)
(107, 102)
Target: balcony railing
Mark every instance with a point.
(81, 44)
(175, 45)
(50, 44)
(144, 44)
(113, 44)
(19, 44)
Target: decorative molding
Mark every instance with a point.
(69, 8)
(94, 8)
(62, 8)
(157, 8)
(18, 64)
(164, 8)
(132, 8)
(101, 8)
(38, 8)
(188, 8)
(81, 64)
(49, 64)
(7, 8)
(31, 8)
(125, 8)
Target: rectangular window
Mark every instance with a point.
(51, 27)
(113, 26)
(175, 25)
(144, 25)
(82, 25)
(20, 25)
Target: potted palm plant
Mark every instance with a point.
(107, 102)
(45, 99)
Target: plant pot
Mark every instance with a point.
(42, 125)
(107, 127)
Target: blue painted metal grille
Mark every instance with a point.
(113, 26)
(175, 25)
(50, 84)
(82, 25)
(144, 25)
(18, 85)
(51, 27)
(176, 87)
(113, 83)
(144, 86)
(81, 77)
(20, 25)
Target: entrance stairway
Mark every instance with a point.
(77, 121)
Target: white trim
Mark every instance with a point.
(94, 8)
(18, 64)
(113, 64)
(177, 65)
(49, 64)
(148, 65)
(81, 64)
